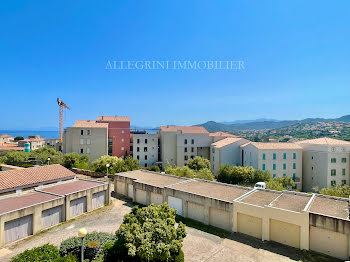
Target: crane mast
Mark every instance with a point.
(61, 105)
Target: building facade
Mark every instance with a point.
(178, 144)
(35, 143)
(325, 162)
(118, 134)
(226, 152)
(86, 137)
(145, 148)
(280, 159)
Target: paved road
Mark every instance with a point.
(198, 245)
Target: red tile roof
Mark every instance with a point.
(226, 141)
(223, 134)
(70, 187)
(114, 118)
(24, 200)
(185, 129)
(33, 175)
(90, 123)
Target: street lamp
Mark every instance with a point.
(108, 165)
(82, 233)
(48, 160)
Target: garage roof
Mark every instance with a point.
(24, 200)
(261, 198)
(291, 201)
(70, 187)
(33, 175)
(330, 206)
(153, 178)
(212, 189)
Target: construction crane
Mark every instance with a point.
(61, 105)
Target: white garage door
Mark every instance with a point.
(195, 211)
(121, 188)
(249, 225)
(98, 199)
(131, 191)
(52, 216)
(141, 196)
(77, 206)
(220, 218)
(175, 203)
(18, 228)
(285, 233)
(156, 199)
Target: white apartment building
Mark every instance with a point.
(145, 148)
(280, 159)
(86, 137)
(216, 136)
(226, 152)
(178, 144)
(325, 162)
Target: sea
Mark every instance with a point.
(26, 133)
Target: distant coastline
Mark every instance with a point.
(26, 133)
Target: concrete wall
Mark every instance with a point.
(151, 145)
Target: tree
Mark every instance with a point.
(75, 160)
(274, 184)
(148, 234)
(199, 163)
(15, 158)
(185, 171)
(239, 174)
(131, 163)
(17, 138)
(339, 191)
(43, 153)
(116, 164)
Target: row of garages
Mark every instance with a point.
(30, 212)
(284, 217)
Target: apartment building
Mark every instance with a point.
(281, 159)
(226, 152)
(325, 162)
(178, 144)
(34, 141)
(4, 138)
(145, 148)
(118, 134)
(86, 137)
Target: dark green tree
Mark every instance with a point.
(199, 163)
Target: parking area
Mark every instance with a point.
(198, 245)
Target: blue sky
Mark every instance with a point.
(296, 55)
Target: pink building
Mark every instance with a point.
(118, 134)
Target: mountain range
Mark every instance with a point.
(261, 124)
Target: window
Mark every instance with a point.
(122, 139)
(333, 172)
(284, 155)
(186, 157)
(138, 157)
(122, 148)
(294, 166)
(81, 151)
(294, 176)
(213, 150)
(185, 141)
(145, 164)
(145, 157)
(213, 158)
(138, 141)
(274, 166)
(264, 156)
(185, 149)
(122, 131)
(284, 166)
(333, 160)
(88, 150)
(343, 160)
(284, 174)
(263, 167)
(333, 183)
(343, 172)
(88, 141)
(145, 149)
(343, 182)
(146, 141)
(192, 157)
(82, 132)
(274, 175)
(88, 132)
(137, 149)
(294, 155)
(192, 141)
(192, 149)
(274, 156)
(82, 141)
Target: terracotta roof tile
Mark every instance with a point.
(261, 145)
(114, 118)
(325, 141)
(223, 134)
(226, 141)
(33, 175)
(185, 129)
(70, 187)
(90, 123)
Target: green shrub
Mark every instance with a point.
(199, 163)
(93, 245)
(185, 171)
(44, 253)
(180, 257)
(153, 168)
(67, 258)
